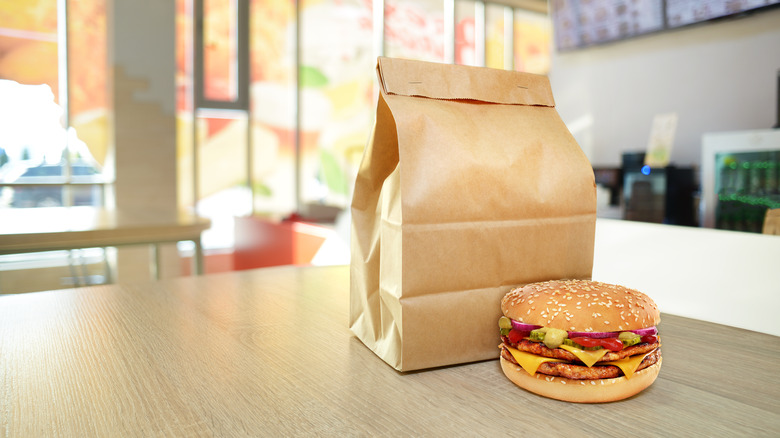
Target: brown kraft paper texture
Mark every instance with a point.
(470, 184)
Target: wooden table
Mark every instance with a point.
(61, 228)
(268, 353)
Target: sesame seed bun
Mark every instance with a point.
(581, 391)
(581, 305)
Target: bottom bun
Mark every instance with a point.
(581, 391)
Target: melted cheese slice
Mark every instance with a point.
(530, 362)
(628, 364)
(588, 357)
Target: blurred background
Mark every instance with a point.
(254, 113)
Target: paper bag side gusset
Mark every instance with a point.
(379, 160)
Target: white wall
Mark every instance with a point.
(718, 76)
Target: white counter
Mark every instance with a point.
(727, 277)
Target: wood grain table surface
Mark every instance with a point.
(268, 353)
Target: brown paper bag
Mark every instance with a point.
(470, 184)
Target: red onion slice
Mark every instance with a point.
(646, 331)
(519, 326)
(594, 335)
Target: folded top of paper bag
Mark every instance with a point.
(444, 81)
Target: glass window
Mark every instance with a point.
(212, 68)
(414, 29)
(53, 114)
(221, 59)
(532, 42)
(468, 34)
(88, 97)
(273, 98)
(220, 50)
(336, 79)
(497, 22)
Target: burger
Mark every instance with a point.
(579, 340)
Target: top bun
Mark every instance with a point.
(581, 305)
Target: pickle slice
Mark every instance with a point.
(537, 335)
(629, 338)
(554, 337)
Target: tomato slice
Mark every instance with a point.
(587, 342)
(650, 339)
(611, 344)
(515, 336)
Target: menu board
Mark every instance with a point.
(588, 22)
(683, 12)
(582, 23)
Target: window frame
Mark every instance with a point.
(241, 102)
